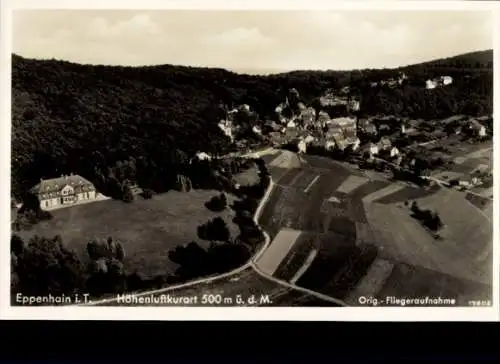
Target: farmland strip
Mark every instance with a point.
(278, 250)
(295, 259)
(351, 183)
(307, 264)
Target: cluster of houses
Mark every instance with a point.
(474, 126)
(438, 82)
(391, 82)
(332, 99)
(429, 84)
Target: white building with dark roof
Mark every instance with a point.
(64, 191)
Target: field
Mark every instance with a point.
(147, 229)
(413, 282)
(248, 177)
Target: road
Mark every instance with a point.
(245, 281)
(434, 179)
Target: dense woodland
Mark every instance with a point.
(111, 124)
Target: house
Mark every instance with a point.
(371, 149)
(291, 124)
(344, 122)
(272, 125)
(402, 78)
(323, 118)
(430, 84)
(341, 142)
(408, 130)
(301, 146)
(384, 143)
(367, 126)
(308, 116)
(355, 143)
(470, 181)
(446, 80)
(257, 130)
(202, 156)
(276, 138)
(291, 133)
(329, 144)
(353, 105)
(309, 139)
(226, 127)
(394, 152)
(333, 131)
(280, 108)
(392, 82)
(244, 108)
(63, 191)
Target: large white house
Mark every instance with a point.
(64, 191)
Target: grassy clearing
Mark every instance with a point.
(248, 177)
(478, 201)
(465, 225)
(147, 229)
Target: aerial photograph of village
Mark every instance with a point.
(251, 158)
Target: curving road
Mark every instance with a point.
(329, 239)
(246, 281)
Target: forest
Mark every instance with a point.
(98, 121)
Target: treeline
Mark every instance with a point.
(71, 118)
(468, 96)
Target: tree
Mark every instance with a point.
(107, 250)
(217, 203)
(147, 193)
(127, 194)
(45, 266)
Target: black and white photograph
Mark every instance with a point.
(332, 157)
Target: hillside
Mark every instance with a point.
(70, 118)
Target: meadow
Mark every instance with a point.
(147, 229)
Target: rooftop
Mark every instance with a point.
(57, 184)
